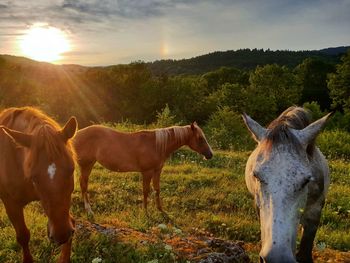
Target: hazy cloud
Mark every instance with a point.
(122, 8)
(122, 30)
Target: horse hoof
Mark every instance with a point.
(302, 259)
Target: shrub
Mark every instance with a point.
(335, 143)
(226, 130)
(125, 126)
(339, 121)
(315, 109)
(165, 118)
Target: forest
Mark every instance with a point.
(137, 93)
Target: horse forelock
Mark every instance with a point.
(47, 140)
(294, 117)
(278, 131)
(164, 135)
(45, 131)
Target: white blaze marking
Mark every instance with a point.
(51, 170)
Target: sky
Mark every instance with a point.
(107, 32)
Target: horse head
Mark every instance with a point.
(278, 174)
(198, 142)
(49, 164)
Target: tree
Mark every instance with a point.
(339, 85)
(230, 95)
(226, 75)
(272, 89)
(188, 98)
(312, 76)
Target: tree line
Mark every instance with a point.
(247, 59)
(132, 92)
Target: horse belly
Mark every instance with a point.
(118, 161)
(127, 162)
(119, 165)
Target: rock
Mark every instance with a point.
(203, 251)
(225, 252)
(216, 258)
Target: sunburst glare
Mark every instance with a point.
(44, 43)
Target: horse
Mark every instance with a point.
(289, 178)
(37, 163)
(143, 151)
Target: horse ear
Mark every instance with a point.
(255, 128)
(193, 124)
(22, 139)
(310, 132)
(70, 128)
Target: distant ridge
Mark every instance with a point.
(335, 51)
(246, 59)
(243, 59)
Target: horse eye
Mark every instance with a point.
(305, 183)
(258, 177)
(201, 140)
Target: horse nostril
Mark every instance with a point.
(208, 156)
(261, 260)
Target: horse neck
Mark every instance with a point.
(173, 138)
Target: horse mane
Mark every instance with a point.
(163, 137)
(45, 131)
(278, 131)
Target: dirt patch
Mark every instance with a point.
(198, 246)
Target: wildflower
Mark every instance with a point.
(168, 247)
(97, 260)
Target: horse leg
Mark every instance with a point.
(310, 222)
(156, 187)
(65, 252)
(66, 249)
(15, 214)
(85, 171)
(147, 176)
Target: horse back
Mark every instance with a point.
(117, 151)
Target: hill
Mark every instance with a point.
(242, 59)
(334, 51)
(137, 92)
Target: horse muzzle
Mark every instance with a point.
(277, 256)
(208, 155)
(60, 235)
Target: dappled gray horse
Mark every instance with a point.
(288, 177)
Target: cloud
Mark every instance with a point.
(126, 9)
(75, 12)
(123, 30)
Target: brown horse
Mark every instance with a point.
(37, 163)
(143, 151)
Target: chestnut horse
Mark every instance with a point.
(289, 178)
(143, 151)
(37, 163)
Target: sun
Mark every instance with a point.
(44, 43)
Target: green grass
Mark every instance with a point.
(200, 197)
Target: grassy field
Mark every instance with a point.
(202, 199)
